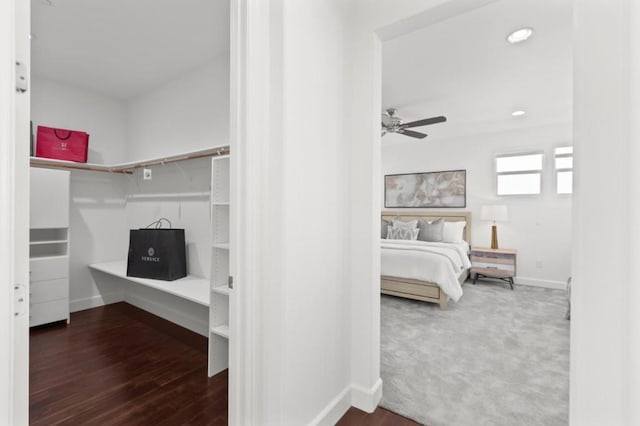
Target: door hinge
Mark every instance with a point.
(230, 281)
(22, 76)
(20, 306)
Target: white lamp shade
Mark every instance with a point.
(496, 213)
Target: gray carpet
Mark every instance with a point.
(497, 357)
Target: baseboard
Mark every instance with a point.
(366, 399)
(334, 410)
(175, 316)
(95, 301)
(535, 282)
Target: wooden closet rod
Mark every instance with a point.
(128, 168)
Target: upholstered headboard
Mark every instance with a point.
(431, 216)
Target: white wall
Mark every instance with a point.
(294, 190)
(605, 329)
(185, 114)
(98, 234)
(58, 105)
(97, 217)
(314, 171)
(147, 201)
(539, 227)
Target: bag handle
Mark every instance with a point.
(158, 223)
(55, 131)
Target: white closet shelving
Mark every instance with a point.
(128, 168)
(219, 334)
(191, 288)
(49, 246)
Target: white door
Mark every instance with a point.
(14, 214)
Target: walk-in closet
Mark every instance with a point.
(149, 82)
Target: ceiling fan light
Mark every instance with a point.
(518, 36)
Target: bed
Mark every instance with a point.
(410, 270)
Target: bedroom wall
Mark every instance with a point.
(539, 227)
(188, 113)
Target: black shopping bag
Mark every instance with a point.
(157, 253)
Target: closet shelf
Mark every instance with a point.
(223, 289)
(128, 168)
(38, 243)
(223, 246)
(194, 289)
(169, 195)
(221, 330)
(48, 257)
(220, 203)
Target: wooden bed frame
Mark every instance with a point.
(423, 290)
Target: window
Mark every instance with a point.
(519, 174)
(564, 169)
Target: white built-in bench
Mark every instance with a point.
(184, 301)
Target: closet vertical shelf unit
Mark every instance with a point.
(220, 287)
(49, 246)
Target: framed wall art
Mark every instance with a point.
(426, 190)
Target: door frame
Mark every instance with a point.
(14, 215)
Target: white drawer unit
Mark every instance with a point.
(49, 247)
(49, 268)
(46, 312)
(49, 197)
(47, 291)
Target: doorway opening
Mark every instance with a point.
(469, 331)
(147, 84)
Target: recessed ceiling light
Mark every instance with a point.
(518, 36)
(518, 113)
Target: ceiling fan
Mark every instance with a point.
(393, 124)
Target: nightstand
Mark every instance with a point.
(493, 263)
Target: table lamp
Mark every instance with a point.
(495, 213)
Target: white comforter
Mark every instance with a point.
(439, 263)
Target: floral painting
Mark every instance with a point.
(433, 189)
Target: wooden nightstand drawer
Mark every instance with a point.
(489, 258)
(498, 266)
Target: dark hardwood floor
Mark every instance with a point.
(119, 365)
(380, 417)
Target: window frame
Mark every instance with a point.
(557, 170)
(540, 171)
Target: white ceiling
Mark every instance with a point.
(463, 68)
(123, 48)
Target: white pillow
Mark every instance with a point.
(402, 233)
(412, 224)
(453, 232)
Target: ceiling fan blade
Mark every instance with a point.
(413, 134)
(425, 122)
